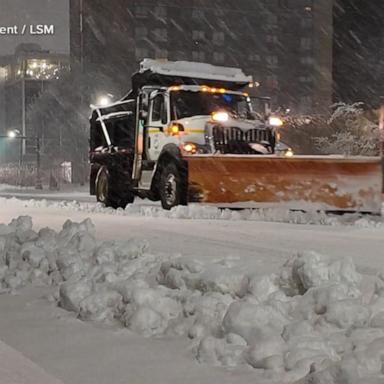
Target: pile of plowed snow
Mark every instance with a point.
(308, 323)
(207, 212)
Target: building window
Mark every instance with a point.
(308, 10)
(141, 11)
(307, 60)
(272, 82)
(272, 19)
(161, 12)
(141, 53)
(218, 38)
(161, 54)
(3, 73)
(306, 103)
(305, 79)
(198, 35)
(198, 56)
(141, 32)
(254, 57)
(272, 61)
(41, 69)
(306, 43)
(306, 22)
(161, 34)
(218, 57)
(197, 13)
(272, 39)
(219, 12)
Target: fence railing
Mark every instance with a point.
(26, 175)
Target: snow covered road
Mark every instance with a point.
(264, 244)
(16, 368)
(82, 353)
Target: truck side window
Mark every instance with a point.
(157, 108)
(164, 114)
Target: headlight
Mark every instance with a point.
(193, 148)
(275, 121)
(190, 148)
(289, 153)
(221, 117)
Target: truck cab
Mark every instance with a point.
(187, 115)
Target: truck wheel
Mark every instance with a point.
(109, 194)
(173, 189)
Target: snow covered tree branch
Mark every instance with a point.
(354, 131)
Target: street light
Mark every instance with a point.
(105, 100)
(12, 134)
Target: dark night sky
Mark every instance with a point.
(35, 12)
(359, 50)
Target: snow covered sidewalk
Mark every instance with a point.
(17, 369)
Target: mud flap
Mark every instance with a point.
(307, 183)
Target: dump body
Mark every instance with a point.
(303, 182)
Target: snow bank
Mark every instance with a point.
(206, 212)
(310, 322)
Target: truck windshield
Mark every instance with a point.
(187, 104)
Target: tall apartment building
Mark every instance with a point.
(285, 44)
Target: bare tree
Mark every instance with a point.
(60, 117)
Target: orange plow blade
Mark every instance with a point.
(302, 182)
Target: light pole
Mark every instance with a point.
(38, 184)
(23, 114)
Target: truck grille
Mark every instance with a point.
(234, 140)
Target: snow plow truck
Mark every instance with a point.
(189, 132)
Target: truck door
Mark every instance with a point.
(157, 122)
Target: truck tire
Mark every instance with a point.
(173, 190)
(110, 193)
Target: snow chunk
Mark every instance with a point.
(267, 353)
(72, 294)
(263, 287)
(215, 351)
(250, 320)
(101, 306)
(311, 269)
(347, 314)
(146, 321)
